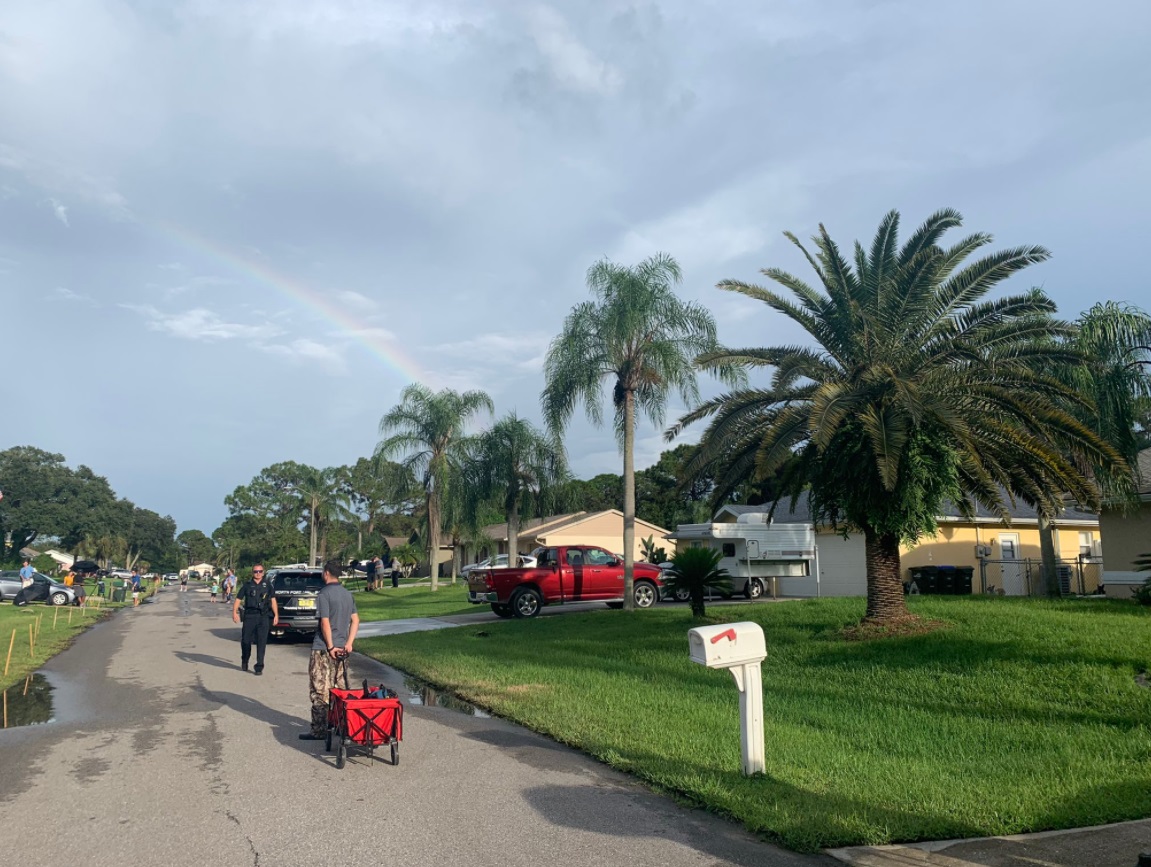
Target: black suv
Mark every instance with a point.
(296, 591)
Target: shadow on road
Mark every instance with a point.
(204, 659)
(285, 729)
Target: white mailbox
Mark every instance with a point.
(727, 645)
(740, 648)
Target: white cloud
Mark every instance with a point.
(361, 303)
(69, 295)
(60, 210)
(307, 351)
(202, 324)
(573, 64)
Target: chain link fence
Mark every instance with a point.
(1024, 577)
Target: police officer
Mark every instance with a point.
(260, 615)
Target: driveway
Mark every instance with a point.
(163, 752)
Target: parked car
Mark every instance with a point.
(500, 561)
(171, 577)
(296, 591)
(44, 588)
(565, 573)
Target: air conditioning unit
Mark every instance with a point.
(982, 551)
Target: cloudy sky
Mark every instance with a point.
(231, 231)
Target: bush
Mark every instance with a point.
(695, 570)
(1142, 594)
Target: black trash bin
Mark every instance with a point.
(963, 578)
(118, 594)
(945, 580)
(925, 578)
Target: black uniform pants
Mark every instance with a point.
(255, 631)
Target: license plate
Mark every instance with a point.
(306, 603)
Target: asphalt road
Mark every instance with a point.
(163, 752)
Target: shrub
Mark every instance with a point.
(695, 570)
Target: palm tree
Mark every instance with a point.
(1113, 342)
(321, 492)
(695, 571)
(427, 427)
(917, 391)
(643, 339)
(517, 465)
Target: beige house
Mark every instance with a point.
(1128, 536)
(1003, 556)
(604, 529)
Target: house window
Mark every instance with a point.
(1086, 544)
(729, 549)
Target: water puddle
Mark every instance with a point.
(421, 692)
(28, 703)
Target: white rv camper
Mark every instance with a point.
(757, 554)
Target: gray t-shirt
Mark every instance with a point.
(337, 604)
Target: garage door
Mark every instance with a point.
(842, 565)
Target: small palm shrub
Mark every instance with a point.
(1142, 593)
(696, 570)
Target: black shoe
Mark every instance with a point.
(308, 736)
(243, 666)
(259, 669)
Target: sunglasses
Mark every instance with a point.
(257, 571)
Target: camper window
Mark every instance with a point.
(729, 549)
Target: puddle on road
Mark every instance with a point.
(421, 692)
(28, 703)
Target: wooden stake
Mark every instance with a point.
(31, 640)
(5, 708)
(27, 683)
(39, 623)
(11, 644)
(69, 614)
(55, 615)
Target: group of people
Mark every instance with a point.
(376, 569)
(227, 584)
(255, 607)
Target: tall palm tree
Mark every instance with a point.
(517, 465)
(427, 427)
(321, 493)
(916, 391)
(641, 338)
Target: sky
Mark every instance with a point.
(232, 231)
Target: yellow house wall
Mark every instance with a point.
(606, 531)
(1128, 536)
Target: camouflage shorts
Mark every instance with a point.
(323, 673)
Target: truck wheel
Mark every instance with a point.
(754, 588)
(502, 610)
(646, 594)
(526, 602)
(682, 594)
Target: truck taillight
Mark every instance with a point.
(489, 582)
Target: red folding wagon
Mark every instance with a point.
(364, 719)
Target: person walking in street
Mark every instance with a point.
(260, 614)
(135, 588)
(370, 580)
(229, 585)
(184, 581)
(335, 635)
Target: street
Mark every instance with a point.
(161, 751)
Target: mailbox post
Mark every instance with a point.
(740, 648)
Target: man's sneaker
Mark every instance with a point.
(259, 669)
(243, 666)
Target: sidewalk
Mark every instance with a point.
(1117, 845)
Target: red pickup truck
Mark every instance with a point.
(566, 573)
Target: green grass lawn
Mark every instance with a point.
(400, 602)
(54, 633)
(1020, 715)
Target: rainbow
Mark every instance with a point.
(391, 355)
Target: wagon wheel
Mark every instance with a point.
(341, 754)
(395, 752)
(328, 740)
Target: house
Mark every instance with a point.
(206, 570)
(1128, 535)
(1004, 557)
(604, 529)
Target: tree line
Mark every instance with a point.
(78, 511)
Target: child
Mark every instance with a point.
(215, 588)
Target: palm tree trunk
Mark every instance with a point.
(629, 501)
(455, 559)
(514, 534)
(434, 534)
(885, 600)
(312, 535)
(1049, 568)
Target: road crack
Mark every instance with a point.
(251, 843)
